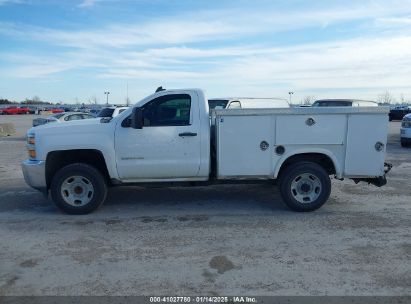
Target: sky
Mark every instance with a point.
(74, 50)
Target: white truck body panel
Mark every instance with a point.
(347, 135)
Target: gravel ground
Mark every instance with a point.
(220, 240)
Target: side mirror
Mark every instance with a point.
(137, 118)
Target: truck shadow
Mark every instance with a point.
(218, 198)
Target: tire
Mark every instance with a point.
(305, 186)
(78, 189)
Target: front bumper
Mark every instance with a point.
(34, 172)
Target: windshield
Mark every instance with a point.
(107, 112)
(212, 104)
(56, 116)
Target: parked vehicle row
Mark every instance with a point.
(70, 116)
(61, 117)
(14, 110)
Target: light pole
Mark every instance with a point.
(106, 93)
(290, 93)
(127, 100)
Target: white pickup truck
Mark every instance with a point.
(171, 138)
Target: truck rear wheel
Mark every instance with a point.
(78, 189)
(305, 186)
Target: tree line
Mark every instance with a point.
(28, 101)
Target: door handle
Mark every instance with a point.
(187, 134)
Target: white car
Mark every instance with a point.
(247, 103)
(111, 111)
(406, 131)
(344, 103)
(60, 117)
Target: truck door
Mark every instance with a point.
(168, 145)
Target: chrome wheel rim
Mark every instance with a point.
(306, 188)
(77, 191)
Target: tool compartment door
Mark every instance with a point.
(241, 146)
(364, 131)
(311, 129)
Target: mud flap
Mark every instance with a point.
(376, 181)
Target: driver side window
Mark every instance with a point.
(168, 110)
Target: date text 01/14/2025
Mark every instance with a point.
(203, 299)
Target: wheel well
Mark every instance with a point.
(321, 159)
(57, 159)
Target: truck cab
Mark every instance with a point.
(171, 142)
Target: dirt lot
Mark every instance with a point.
(222, 240)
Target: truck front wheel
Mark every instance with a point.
(78, 189)
(305, 186)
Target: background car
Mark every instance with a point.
(344, 103)
(247, 103)
(13, 110)
(405, 132)
(111, 111)
(397, 113)
(94, 112)
(60, 117)
(218, 103)
(57, 110)
(32, 109)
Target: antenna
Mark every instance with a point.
(159, 89)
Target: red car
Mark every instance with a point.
(15, 110)
(57, 110)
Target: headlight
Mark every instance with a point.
(31, 142)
